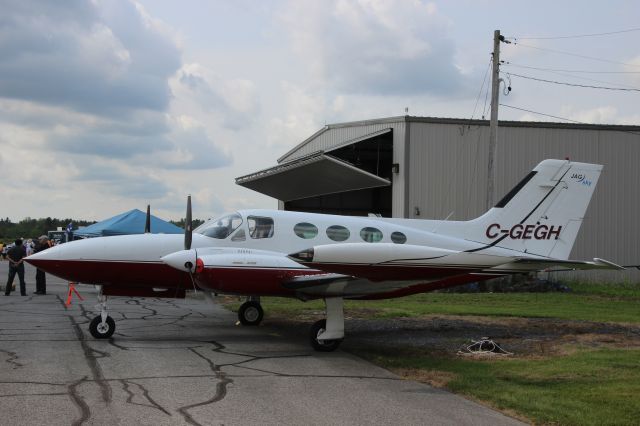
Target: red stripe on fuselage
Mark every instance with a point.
(248, 280)
(139, 274)
(240, 280)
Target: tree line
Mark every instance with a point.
(33, 228)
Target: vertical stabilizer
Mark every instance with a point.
(543, 213)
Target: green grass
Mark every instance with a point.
(626, 290)
(589, 302)
(599, 387)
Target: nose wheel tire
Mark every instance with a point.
(322, 345)
(250, 313)
(101, 330)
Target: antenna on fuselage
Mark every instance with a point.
(147, 223)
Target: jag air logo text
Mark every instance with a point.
(580, 178)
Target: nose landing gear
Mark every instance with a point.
(102, 326)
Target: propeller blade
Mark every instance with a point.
(147, 224)
(188, 226)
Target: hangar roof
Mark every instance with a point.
(461, 121)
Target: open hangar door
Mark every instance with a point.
(375, 156)
(351, 179)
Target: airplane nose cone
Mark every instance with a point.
(184, 260)
(303, 256)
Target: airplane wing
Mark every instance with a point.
(566, 265)
(340, 285)
(306, 281)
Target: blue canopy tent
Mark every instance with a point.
(131, 222)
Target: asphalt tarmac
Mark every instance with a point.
(185, 361)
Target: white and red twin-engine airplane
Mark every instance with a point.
(308, 256)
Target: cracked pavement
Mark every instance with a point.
(178, 362)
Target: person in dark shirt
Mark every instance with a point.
(41, 278)
(16, 266)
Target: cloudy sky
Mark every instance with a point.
(109, 105)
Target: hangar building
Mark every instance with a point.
(436, 168)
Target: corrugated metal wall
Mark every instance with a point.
(448, 173)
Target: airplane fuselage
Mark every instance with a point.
(251, 249)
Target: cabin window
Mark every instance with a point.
(398, 237)
(220, 228)
(239, 236)
(260, 227)
(338, 233)
(371, 235)
(306, 230)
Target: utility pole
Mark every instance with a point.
(493, 124)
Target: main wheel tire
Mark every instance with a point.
(250, 313)
(100, 330)
(322, 345)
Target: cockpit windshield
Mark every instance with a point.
(220, 228)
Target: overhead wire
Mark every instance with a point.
(576, 55)
(511, 64)
(486, 98)
(590, 79)
(563, 118)
(483, 87)
(574, 36)
(484, 107)
(484, 80)
(575, 84)
(540, 113)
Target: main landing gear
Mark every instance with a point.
(102, 326)
(251, 312)
(326, 335)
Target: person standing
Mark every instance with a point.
(41, 278)
(29, 247)
(16, 266)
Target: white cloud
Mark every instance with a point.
(84, 105)
(91, 57)
(600, 115)
(368, 46)
(302, 111)
(233, 101)
(633, 68)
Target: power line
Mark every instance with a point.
(563, 118)
(574, 84)
(574, 36)
(590, 79)
(511, 64)
(576, 55)
(540, 113)
(484, 80)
